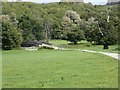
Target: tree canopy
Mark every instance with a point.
(69, 21)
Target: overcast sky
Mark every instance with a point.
(47, 1)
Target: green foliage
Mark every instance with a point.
(101, 31)
(45, 21)
(11, 37)
(75, 35)
(71, 27)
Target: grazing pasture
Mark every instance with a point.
(58, 69)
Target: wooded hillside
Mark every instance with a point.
(31, 21)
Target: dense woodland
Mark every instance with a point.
(26, 21)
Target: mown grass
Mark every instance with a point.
(58, 69)
(85, 45)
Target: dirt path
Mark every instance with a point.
(113, 55)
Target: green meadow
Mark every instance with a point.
(84, 45)
(58, 69)
(45, 27)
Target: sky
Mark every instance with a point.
(98, 2)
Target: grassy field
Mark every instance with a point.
(84, 45)
(58, 69)
(58, 42)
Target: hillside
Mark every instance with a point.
(71, 1)
(30, 18)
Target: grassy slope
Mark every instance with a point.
(84, 45)
(49, 68)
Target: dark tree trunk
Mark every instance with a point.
(105, 46)
(75, 43)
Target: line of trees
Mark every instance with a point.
(23, 22)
